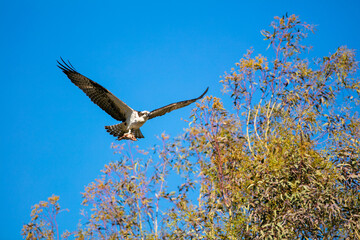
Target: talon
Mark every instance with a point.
(128, 136)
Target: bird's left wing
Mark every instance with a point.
(97, 93)
(171, 107)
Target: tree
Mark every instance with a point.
(282, 164)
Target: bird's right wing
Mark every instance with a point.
(97, 93)
(173, 106)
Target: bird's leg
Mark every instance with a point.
(129, 136)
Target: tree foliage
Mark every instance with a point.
(283, 163)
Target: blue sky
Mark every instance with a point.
(148, 53)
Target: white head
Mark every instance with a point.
(144, 114)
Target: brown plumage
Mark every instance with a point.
(131, 119)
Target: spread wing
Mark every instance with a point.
(97, 93)
(171, 107)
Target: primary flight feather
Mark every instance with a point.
(131, 120)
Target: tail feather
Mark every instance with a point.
(118, 130)
(138, 133)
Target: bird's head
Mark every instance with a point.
(144, 114)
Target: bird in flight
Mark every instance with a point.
(131, 120)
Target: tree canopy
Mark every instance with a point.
(283, 163)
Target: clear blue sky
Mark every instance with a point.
(148, 53)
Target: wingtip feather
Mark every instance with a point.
(65, 67)
(202, 95)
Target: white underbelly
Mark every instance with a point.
(136, 124)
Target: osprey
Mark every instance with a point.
(131, 120)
